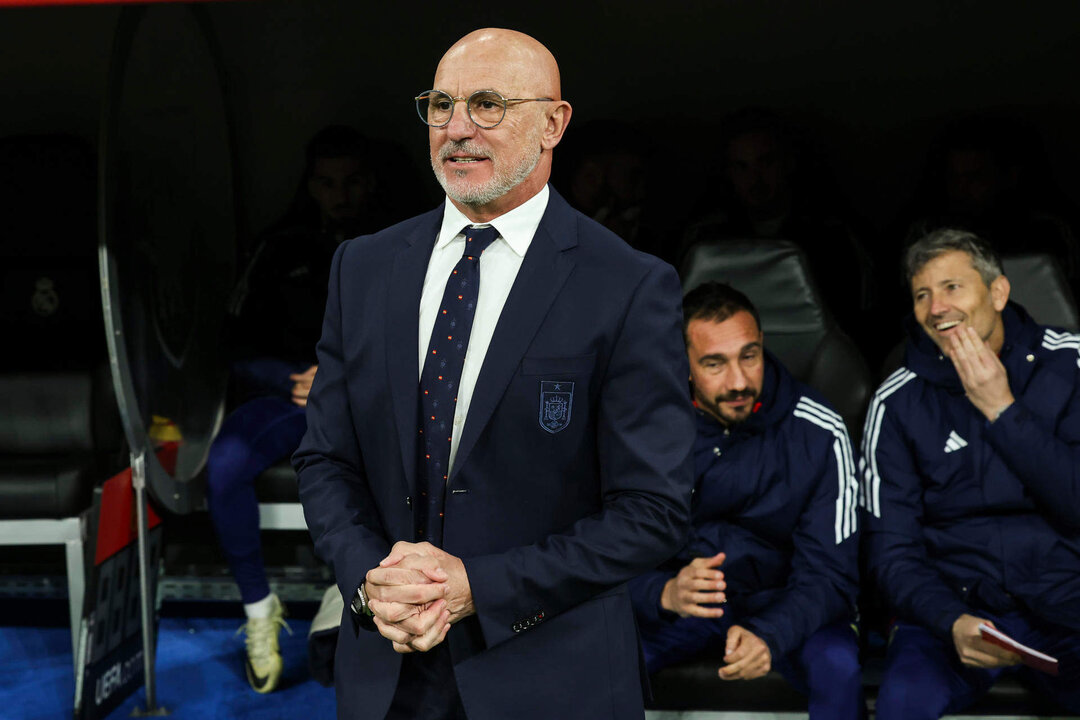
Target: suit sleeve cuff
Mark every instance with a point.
(497, 599)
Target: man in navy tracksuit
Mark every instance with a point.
(775, 503)
(971, 469)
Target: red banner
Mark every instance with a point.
(116, 528)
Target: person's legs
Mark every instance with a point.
(826, 668)
(923, 677)
(1056, 641)
(252, 438)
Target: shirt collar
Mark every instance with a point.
(517, 227)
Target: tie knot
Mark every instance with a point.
(477, 239)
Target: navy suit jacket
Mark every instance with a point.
(550, 525)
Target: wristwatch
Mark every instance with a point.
(360, 602)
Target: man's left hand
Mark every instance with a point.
(426, 558)
(981, 372)
(747, 656)
(408, 606)
(434, 616)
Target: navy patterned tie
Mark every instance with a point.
(440, 378)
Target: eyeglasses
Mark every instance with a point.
(486, 108)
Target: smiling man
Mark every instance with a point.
(498, 434)
(775, 507)
(971, 470)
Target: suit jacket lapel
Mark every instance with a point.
(541, 277)
(402, 332)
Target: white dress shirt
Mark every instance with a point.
(499, 267)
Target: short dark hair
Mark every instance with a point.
(938, 242)
(717, 302)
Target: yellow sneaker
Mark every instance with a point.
(263, 664)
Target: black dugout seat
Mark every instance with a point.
(59, 436)
(695, 686)
(58, 418)
(60, 433)
(279, 501)
(1039, 284)
(798, 328)
(277, 484)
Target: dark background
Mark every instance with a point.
(872, 82)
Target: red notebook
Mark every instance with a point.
(1031, 658)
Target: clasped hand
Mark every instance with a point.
(746, 656)
(416, 593)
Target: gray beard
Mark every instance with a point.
(480, 195)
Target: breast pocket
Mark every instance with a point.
(574, 365)
(558, 382)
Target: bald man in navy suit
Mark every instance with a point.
(488, 463)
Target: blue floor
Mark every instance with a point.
(200, 675)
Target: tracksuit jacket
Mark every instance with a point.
(963, 514)
(778, 493)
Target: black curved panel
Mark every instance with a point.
(167, 241)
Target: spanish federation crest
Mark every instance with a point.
(556, 401)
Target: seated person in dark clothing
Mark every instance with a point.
(772, 188)
(775, 505)
(277, 315)
(971, 485)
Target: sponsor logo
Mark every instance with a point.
(117, 676)
(955, 442)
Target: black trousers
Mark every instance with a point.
(427, 689)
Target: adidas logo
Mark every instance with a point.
(955, 442)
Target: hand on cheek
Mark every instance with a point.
(985, 381)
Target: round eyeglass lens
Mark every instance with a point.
(435, 107)
(487, 108)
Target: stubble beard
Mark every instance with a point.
(729, 420)
(502, 182)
